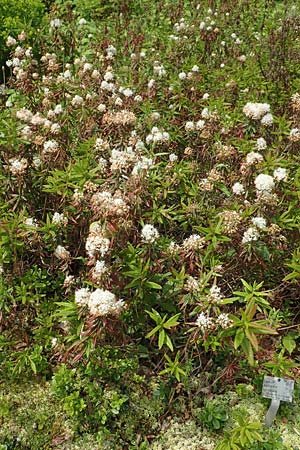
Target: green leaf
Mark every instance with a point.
(172, 322)
(152, 285)
(289, 343)
(169, 343)
(161, 338)
(239, 337)
(152, 332)
(154, 316)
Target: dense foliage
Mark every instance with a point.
(149, 207)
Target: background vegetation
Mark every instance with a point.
(149, 209)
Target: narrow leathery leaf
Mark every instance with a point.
(262, 329)
(169, 343)
(172, 322)
(239, 337)
(161, 338)
(152, 285)
(154, 315)
(152, 332)
(252, 338)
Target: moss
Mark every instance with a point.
(30, 418)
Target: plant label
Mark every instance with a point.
(278, 389)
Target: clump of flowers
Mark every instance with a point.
(264, 183)
(157, 136)
(104, 204)
(256, 110)
(250, 235)
(18, 166)
(149, 234)
(97, 243)
(100, 303)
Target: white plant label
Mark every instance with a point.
(277, 389)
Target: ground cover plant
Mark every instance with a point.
(149, 239)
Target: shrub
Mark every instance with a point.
(17, 16)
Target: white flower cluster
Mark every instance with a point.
(193, 242)
(100, 303)
(256, 110)
(192, 126)
(204, 322)
(259, 111)
(96, 242)
(59, 219)
(10, 41)
(238, 188)
(105, 204)
(143, 165)
(192, 284)
(55, 23)
(253, 158)
(280, 174)
(62, 253)
(50, 147)
(294, 135)
(77, 100)
(259, 222)
(250, 235)
(264, 183)
(261, 144)
(224, 321)
(149, 234)
(122, 159)
(18, 166)
(100, 269)
(24, 114)
(157, 136)
(159, 69)
(214, 295)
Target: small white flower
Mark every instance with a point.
(205, 96)
(264, 183)
(204, 322)
(261, 144)
(182, 76)
(250, 235)
(200, 124)
(259, 222)
(267, 120)
(82, 296)
(101, 107)
(127, 92)
(189, 126)
(280, 174)
(151, 83)
(59, 218)
(82, 21)
(55, 23)
(149, 234)
(253, 158)
(77, 100)
(238, 188)
(30, 222)
(62, 253)
(173, 157)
